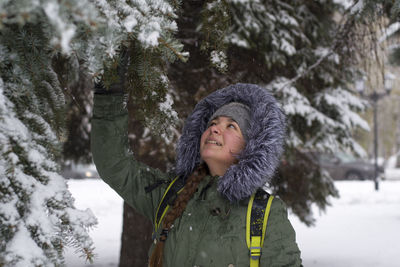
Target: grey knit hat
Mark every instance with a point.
(239, 112)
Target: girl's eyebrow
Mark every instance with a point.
(216, 119)
(229, 119)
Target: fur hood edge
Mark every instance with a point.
(260, 157)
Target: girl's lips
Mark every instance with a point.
(213, 142)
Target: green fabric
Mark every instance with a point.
(211, 231)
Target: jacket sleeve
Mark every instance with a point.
(115, 161)
(280, 247)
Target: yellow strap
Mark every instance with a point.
(266, 215)
(167, 207)
(248, 218)
(255, 243)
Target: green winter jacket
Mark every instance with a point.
(211, 231)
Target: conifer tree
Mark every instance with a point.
(45, 46)
(37, 215)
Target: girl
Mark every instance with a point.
(230, 148)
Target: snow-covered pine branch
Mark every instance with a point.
(36, 208)
(342, 119)
(37, 214)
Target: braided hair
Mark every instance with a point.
(179, 206)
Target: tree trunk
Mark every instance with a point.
(137, 229)
(135, 239)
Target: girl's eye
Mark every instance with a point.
(232, 126)
(212, 124)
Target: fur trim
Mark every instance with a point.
(258, 160)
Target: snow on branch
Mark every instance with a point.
(345, 102)
(37, 214)
(332, 132)
(294, 103)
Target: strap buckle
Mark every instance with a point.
(255, 253)
(255, 247)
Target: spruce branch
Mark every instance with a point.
(174, 51)
(345, 26)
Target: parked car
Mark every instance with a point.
(342, 166)
(71, 170)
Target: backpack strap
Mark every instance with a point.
(256, 224)
(174, 188)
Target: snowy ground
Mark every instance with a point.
(107, 206)
(361, 229)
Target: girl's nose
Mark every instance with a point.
(215, 129)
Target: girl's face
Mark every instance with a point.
(221, 142)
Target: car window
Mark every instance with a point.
(345, 157)
(326, 158)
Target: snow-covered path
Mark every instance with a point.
(361, 229)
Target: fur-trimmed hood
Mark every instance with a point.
(258, 160)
